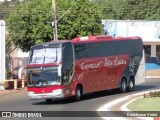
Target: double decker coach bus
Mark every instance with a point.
(84, 65)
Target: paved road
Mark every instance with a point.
(19, 101)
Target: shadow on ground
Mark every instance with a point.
(139, 88)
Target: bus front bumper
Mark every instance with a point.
(56, 94)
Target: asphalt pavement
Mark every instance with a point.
(17, 100)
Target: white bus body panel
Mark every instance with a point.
(140, 76)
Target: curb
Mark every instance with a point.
(124, 106)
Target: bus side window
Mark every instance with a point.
(67, 69)
(80, 51)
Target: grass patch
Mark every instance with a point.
(145, 104)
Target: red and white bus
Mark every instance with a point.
(84, 65)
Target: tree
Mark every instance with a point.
(83, 19)
(30, 24)
(130, 9)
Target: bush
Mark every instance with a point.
(8, 74)
(146, 96)
(152, 94)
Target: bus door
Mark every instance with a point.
(67, 68)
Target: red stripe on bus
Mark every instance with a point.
(43, 65)
(47, 89)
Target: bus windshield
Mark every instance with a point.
(45, 55)
(44, 76)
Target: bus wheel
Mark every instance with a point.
(123, 85)
(78, 93)
(131, 84)
(48, 101)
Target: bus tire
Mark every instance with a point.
(123, 87)
(48, 101)
(131, 84)
(79, 93)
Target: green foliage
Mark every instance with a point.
(30, 24)
(83, 19)
(8, 74)
(5, 10)
(27, 25)
(130, 9)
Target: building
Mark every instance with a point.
(149, 31)
(18, 59)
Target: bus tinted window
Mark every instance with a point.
(109, 48)
(125, 47)
(80, 51)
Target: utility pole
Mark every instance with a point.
(54, 23)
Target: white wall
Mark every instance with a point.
(22, 54)
(147, 30)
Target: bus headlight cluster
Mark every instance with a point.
(58, 93)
